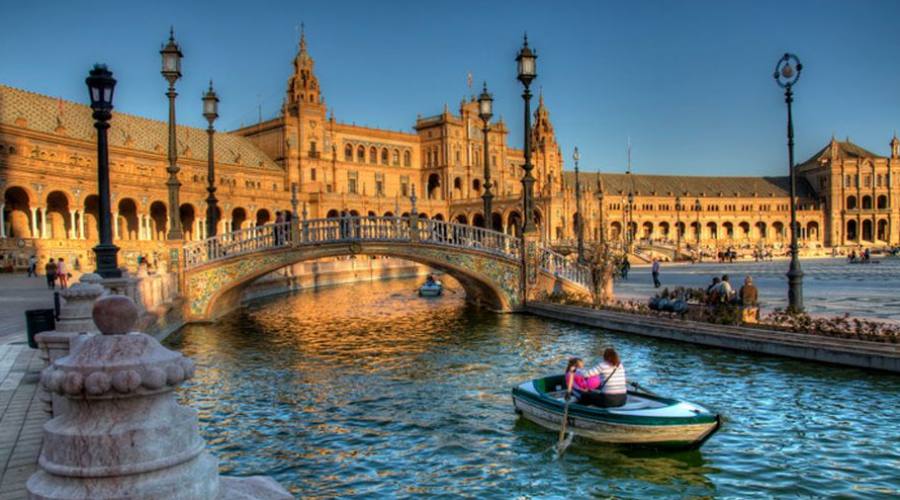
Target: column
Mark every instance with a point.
(81, 225)
(44, 233)
(195, 229)
(2, 220)
(73, 234)
(34, 224)
(115, 225)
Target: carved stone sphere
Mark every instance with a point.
(115, 314)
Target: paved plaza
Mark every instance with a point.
(21, 412)
(830, 286)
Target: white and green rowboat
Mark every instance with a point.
(645, 420)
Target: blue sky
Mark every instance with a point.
(690, 82)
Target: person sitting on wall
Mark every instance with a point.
(724, 290)
(749, 294)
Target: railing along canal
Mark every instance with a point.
(558, 265)
(348, 229)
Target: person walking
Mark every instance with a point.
(62, 274)
(50, 270)
(654, 270)
(32, 266)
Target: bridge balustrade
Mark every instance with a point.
(558, 265)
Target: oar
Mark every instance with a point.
(643, 389)
(563, 442)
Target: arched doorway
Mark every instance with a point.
(17, 213)
(514, 223)
(866, 202)
(434, 187)
(778, 227)
(812, 231)
(729, 230)
(496, 221)
(647, 230)
(127, 221)
(851, 202)
(478, 220)
(745, 230)
(615, 231)
(664, 230)
(333, 214)
(263, 217)
(462, 219)
(882, 230)
(59, 220)
(187, 214)
(867, 230)
(159, 220)
(713, 230)
(238, 218)
(91, 216)
(761, 231)
(852, 229)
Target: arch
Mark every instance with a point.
(478, 219)
(497, 221)
(744, 229)
(680, 229)
(434, 186)
(332, 214)
(438, 217)
(514, 223)
(713, 230)
(159, 219)
(812, 230)
(867, 202)
(851, 202)
(263, 217)
(882, 202)
(188, 214)
(538, 216)
(664, 229)
(17, 211)
(371, 214)
(778, 227)
(476, 185)
(348, 152)
(647, 230)
(91, 214)
(384, 156)
(867, 234)
(457, 187)
(761, 230)
(615, 230)
(728, 227)
(395, 157)
(59, 222)
(695, 230)
(461, 219)
(407, 159)
(127, 219)
(373, 155)
(361, 154)
(882, 230)
(389, 214)
(852, 230)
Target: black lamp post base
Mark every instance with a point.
(795, 287)
(107, 263)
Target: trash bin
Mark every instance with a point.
(37, 321)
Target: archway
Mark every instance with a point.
(778, 227)
(262, 217)
(59, 221)
(127, 220)
(92, 217)
(882, 230)
(187, 214)
(851, 202)
(882, 202)
(332, 214)
(238, 217)
(457, 188)
(680, 229)
(17, 213)
(496, 221)
(615, 231)
(438, 217)
(462, 219)
(434, 187)
(514, 223)
(761, 231)
(713, 230)
(867, 230)
(664, 229)
(812, 231)
(478, 220)
(745, 230)
(159, 220)
(647, 230)
(867, 202)
(729, 230)
(852, 233)
(695, 230)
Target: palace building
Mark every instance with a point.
(847, 195)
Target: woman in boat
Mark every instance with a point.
(613, 390)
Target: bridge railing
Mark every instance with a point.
(562, 267)
(352, 228)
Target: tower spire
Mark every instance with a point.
(302, 37)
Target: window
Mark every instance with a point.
(404, 185)
(313, 152)
(384, 156)
(856, 180)
(878, 180)
(361, 154)
(373, 155)
(846, 181)
(407, 159)
(395, 158)
(867, 181)
(352, 178)
(312, 174)
(379, 184)
(458, 160)
(348, 153)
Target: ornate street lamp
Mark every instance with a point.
(211, 112)
(527, 72)
(485, 111)
(579, 223)
(171, 71)
(677, 227)
(787, 72)
(631, 229)
(101, 85)
(697, 208)
(600, 202)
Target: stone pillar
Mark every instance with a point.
(115, 225)
(73, 233)
(2, 220)
(81, 225)
(44, 233)
(125, 436)
(34, 223)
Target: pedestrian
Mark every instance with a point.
(626, 266)
(32, 266)
(279, 218)
(654, 270)
(50, 270)
(77, 265)
(749, 295)
(62, 274)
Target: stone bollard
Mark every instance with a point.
(123, 435)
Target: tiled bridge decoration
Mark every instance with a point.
(488, 264)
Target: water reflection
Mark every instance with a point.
(368, 390)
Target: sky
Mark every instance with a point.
(689, 83)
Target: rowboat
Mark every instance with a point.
(432, 289)
(645, 420)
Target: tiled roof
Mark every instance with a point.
(56, 116)
(844, 149)
(686, 185)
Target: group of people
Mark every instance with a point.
(56, 271)
(603, 385)
(727, 255)
(720, 291)
(864, 256)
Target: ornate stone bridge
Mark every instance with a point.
(490, 265)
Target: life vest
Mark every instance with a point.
(585, 384)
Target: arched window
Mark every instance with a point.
(851, 202)
(373, 155)
(882, 201)
(348, 153)
(361, 154)
(395, 158)
(867, 202)
(384, 156)
(407, 159)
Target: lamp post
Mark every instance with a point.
(631, 229)
(171, 71)
(527, 72)
(579, 222)
(677, 227)
(211, 112)
(602, 218)
(787, 72)
(101, 85)
(485, 111)
(697, 208)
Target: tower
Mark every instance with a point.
(895, 147)
(547, 154)
(305, 135)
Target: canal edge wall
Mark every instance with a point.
(847, 352)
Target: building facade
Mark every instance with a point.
(848, 196)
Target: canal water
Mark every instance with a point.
(367, 390)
